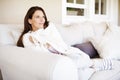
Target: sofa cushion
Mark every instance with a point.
(16, 34)
(100, 28)
(71, 33)
(88, 48)
(5, 35)
(74, 33)
(9, 33)
(108, 46)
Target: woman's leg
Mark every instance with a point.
(81, 59)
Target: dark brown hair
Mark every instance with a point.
(27, 26)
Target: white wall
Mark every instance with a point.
(13, 11)
(119, 13)
(114, 11)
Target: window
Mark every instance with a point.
(75, 8)
(75, 11)
(77, 1)
(79, 10)
(100, 7)
(70, 1)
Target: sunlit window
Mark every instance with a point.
(75, 11)
(75, 8)
(100, 7)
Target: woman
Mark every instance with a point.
(42, 35)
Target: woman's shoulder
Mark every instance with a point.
(27, 34)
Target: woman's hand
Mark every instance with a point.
(47, 45)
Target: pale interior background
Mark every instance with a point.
(119, 13)
(13, 11)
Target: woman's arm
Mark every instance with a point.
(27, 40)
(54, 38)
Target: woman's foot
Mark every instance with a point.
(102, 64)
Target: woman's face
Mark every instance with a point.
(37, 21)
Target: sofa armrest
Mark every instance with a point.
(65, 69)
(25, 64)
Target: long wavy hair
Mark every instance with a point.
(27, 26)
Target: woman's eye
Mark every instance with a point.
(40, 17)
(43, 16)
(37, 16)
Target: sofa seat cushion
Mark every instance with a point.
(88, 48)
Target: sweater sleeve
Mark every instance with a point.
(54, 38)
(26, 41)
(34, 44)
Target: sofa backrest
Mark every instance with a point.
(9, 33)
(75, 33)
(72, 33)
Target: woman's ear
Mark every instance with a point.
(29, 21)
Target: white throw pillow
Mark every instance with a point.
(108, 46)
(16, 34)
(100, 28)
(71, 33)
(7, 32)
(76, 32)
(5, 35)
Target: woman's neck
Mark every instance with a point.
(35, 29)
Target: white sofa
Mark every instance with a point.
(18, 63)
